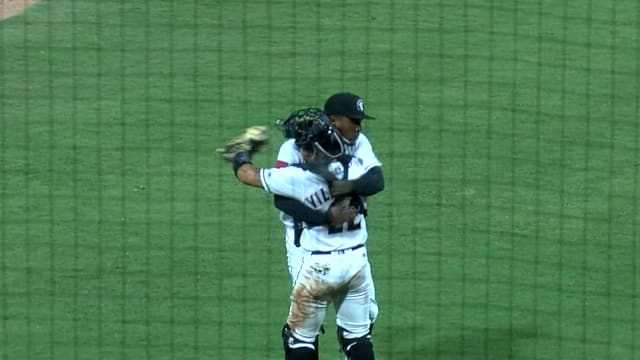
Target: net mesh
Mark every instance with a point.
(509, 137)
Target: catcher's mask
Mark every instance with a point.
(299, 121)
(320, 136)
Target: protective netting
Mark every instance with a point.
(510, 142)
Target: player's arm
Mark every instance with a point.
(277, 181)
(251, 175)
(247, 173)
(370, 183)
(337, 214)
(300, 211)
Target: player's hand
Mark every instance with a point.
(341, 213)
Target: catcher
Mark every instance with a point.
(335, 268)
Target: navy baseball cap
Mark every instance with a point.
(346, 104)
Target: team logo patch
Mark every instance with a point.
(360, 105)
(336, 169)
(320, 269)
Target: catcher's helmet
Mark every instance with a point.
(299, 121)
(319, 135)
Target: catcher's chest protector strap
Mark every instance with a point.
(298, 226)
(345, 160)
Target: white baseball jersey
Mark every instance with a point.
(362, 151)
(312, 189)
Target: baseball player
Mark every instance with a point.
(346, 112)
(334, 266)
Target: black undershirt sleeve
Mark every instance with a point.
(302, 212)
(370, 183)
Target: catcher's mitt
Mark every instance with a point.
(250, 142)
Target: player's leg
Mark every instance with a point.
(294, 262)
(360, 348)
(300, 344)
(297, 349)
(353, 318)
(306, 315)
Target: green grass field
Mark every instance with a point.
(509, 134)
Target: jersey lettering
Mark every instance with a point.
(318, 198)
